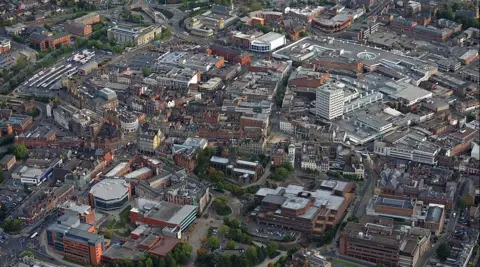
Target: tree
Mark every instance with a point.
(2, 175)
(272, 248)
(19, 150)
(443, 251)
(380, 265)
(213, 242)
(456, 6)
(182, 253)
(27, 254)
(252, 255)
(231, 244)
(254, 6)
(223, 229)
(10, 225)
(3, 211)
(146, 71)
(462, 203)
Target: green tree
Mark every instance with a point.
(3, 211)
(252, 255)
(213, 242)
(10, 225)
(22, 63)
(2, 175)
(146, 71)
(27, 254)
(443, 251)
(254, 6)
(182, 253)
(462, 203)
(456, 6)
(380, 265)
(231, 244)
(19, 150)
(272, 248)
(223, 229)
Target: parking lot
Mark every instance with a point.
(12, 196)
(270, 232)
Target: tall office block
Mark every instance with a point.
(329, 102)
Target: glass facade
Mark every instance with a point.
(111, 204)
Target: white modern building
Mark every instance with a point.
(178, 78)
(268, 42)
(329, 101)
(412, 146)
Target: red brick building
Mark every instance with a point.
(43, 42)
(232, 55)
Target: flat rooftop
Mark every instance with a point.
(369, 55)
(108, 189)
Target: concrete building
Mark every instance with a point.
(310, 212)
(82, 26)
(4, 45)
(134, 37)
(7, 162)
(44, 42)
(75, 240)
(268, 42)
(413, 7)
(411, 146)
(163, 214)
(379, 240)
(128, 122)
(178, 79)
(110, 194)
(149, 140)
(329, 102)
(35, 171)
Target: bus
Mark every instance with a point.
(34, 235)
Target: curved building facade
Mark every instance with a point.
(129, 123)
(110, 194)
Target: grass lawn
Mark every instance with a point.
(339, 262)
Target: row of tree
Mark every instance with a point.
(180, 256)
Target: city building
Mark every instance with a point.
(306, 14)
(200, 62)
(412, 146)
(149, 140)
(83, 212)
(82, 26)
(4, 45)
(44, 42)
(268, 42)
(128, 122)
(413, 7)
(75, 240)
(163, 214)
(230, 54)
(306, 77)
(410, 211)
(379, 240)
(134, 37)
(7, 162)
(35, 171)
(177, 79)
(329, 102)
(88, 68)
(110, 194)
(42, 202)
(338, 23)
(469, 56)
(310, 212)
